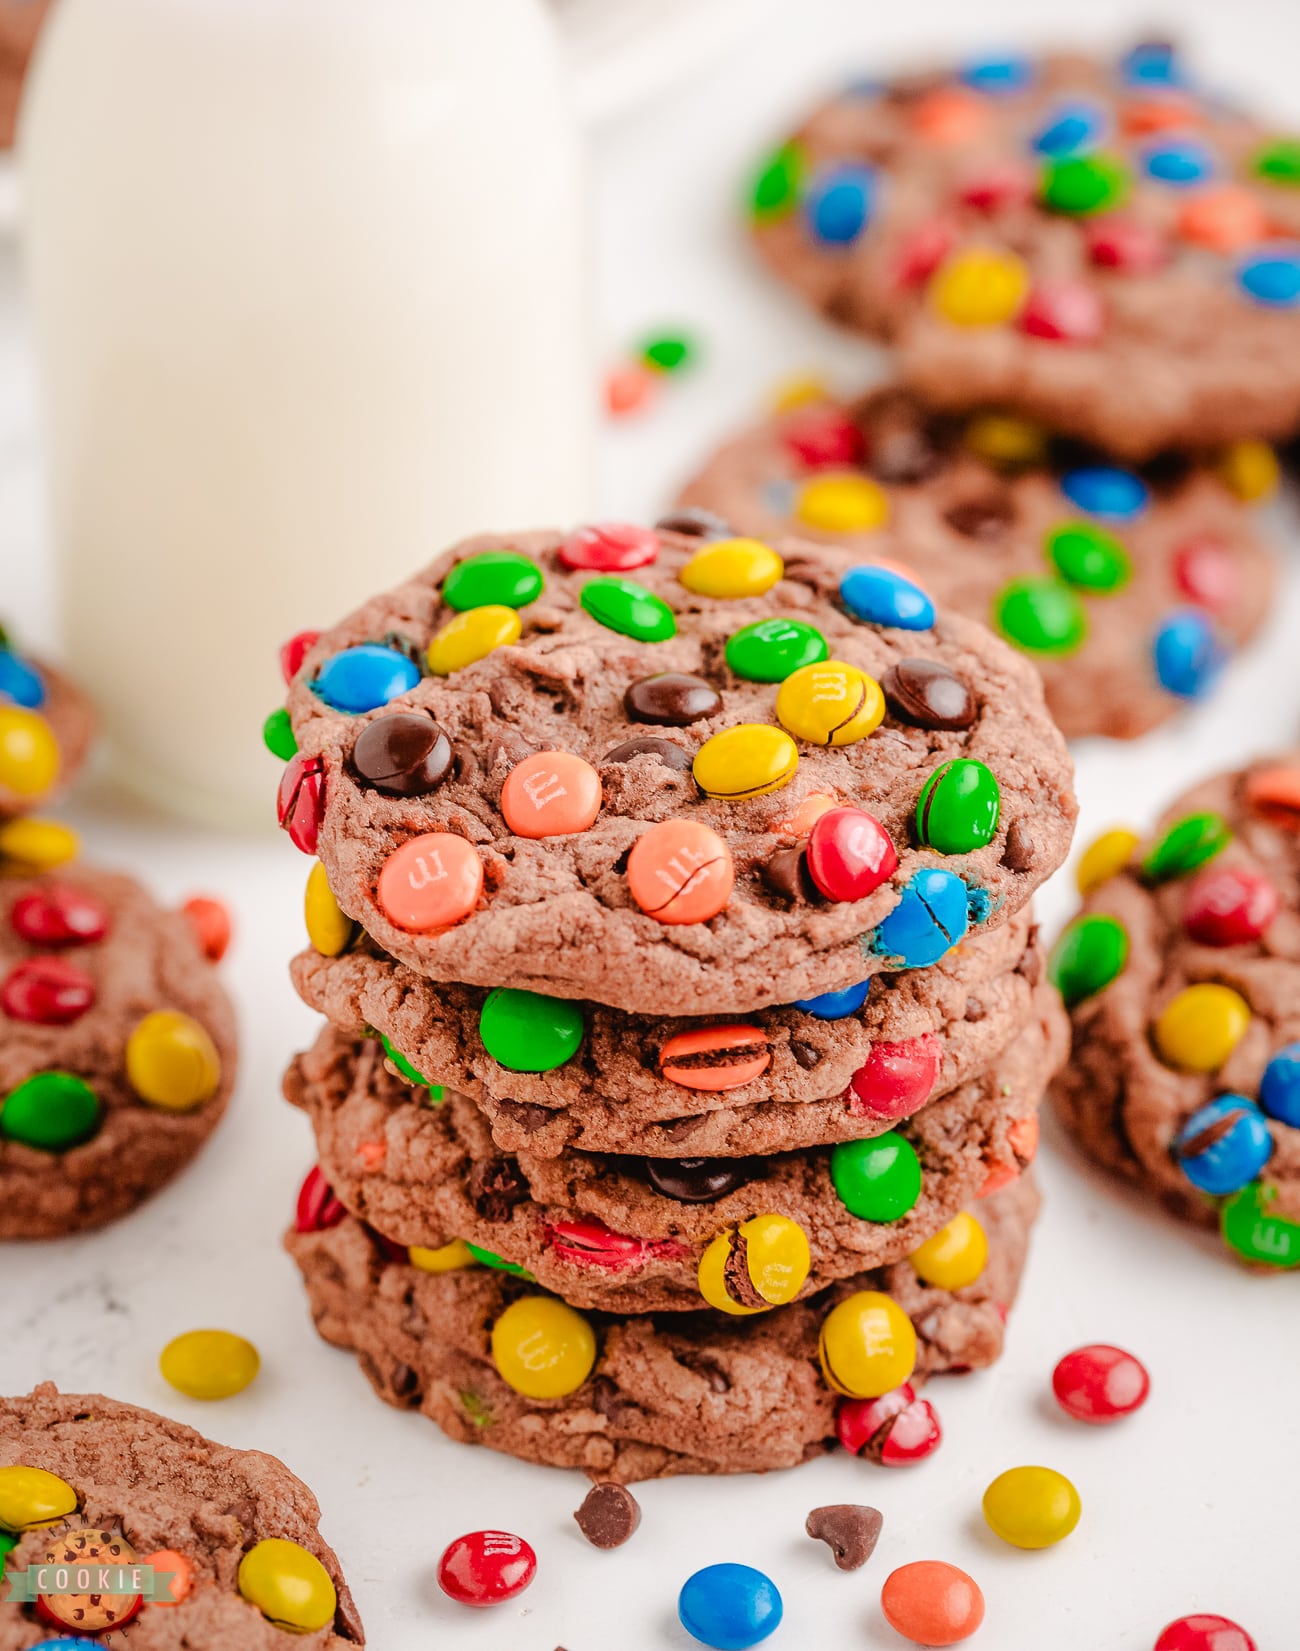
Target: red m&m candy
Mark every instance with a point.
(46, 991)
(486, 1567)
(822, 436)
(896, 1078)
(610, 547)
(59, 915)
(590, 1243)
(300, 801)
(210, 920)
(849, 854)
(294, 651)
(317, 1207)
(1229, 906)
(1100, 1384)
(1206, 571)
(896, 1430)
(1067, 312)
(1204, 1632)
(1127, 245)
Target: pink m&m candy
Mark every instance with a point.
(550, 794)
(1229, 906)
(59, 915)
(610, 547)
(849, 854)
(431, 882)
(896, 1078)
(300, 801)
(1068, 312)
(1204, 1632)
(1100, 1384)
(486, 1567)
(46, 991)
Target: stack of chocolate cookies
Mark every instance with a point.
(686, 1017)
(1090, 276)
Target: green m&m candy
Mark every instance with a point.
(51, 1110)
(527, 1032)
(1042, 616)
(489, 1258)
(277, 734)
(1279, 161)
(1089, 557)
(772, 649)
(1083, 184)
(1187, 845)
(1253, 1233)
(630, 609)
(493, 578)
(775, 189)
(399, 1060)
(667, 353)
(959, 806)
(8, 1542)
(1087, 957)
(877, 1180)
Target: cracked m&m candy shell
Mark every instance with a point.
(680, 871)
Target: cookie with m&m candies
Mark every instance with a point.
(1184, 991)
(548, 763)
(1053, 242)
(46, 728)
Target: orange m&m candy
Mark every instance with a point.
(550, 794)
(680, 872)
(1226, 219)
(715, 1057)
(932, 1603)
(430, 883)
(1274, 794)
(181, 1570)
(949, 115)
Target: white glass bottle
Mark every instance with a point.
(308, 279)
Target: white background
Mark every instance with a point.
(1188, 1506)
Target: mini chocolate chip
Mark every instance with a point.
(695, 522)
(985, 519)
(1018, 852)
(806, 1054)
(527, 1114)
(785, 873)
(1030, 965)
(850, 1530)
(402, 754)
(608, 1516)
(975, 1010)
(925, 694)
(646, 745)
(700, 1180)
(681, 1129)
(672, 698)
(496, 1187)
(405, 1382)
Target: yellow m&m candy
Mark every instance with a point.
(29, 752)
(447, 1258)
(803, 390)
(209, 1364)
(1032, 1507)
(980, 288)
(1250, 470)
(1105, 857)
(867, 1346)
(955, 1256)
(1003, 439)
(732, 568)
(542, 1348)
(171, 1062)
(329, 929)
(30, 846)
(30, 1497)
(1201, 1027)
(473, 635)
(830, 703)
(842, 504)
(776, 1259)
(288, 1585)
(749, 760)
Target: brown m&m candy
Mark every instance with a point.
(699, 1180)
(925, 694)
(646, 745)
(672, 698)
(402, 754)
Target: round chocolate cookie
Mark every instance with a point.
(652, 1395)
(228, 1540)
(629, 1234)
(607, 1081)
(744, 775)
(1094, 242)
(1127, 620)
(1182, 976)
(117, 1053)
(46, 726)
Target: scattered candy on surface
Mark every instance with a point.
(550, 794)
(667, 352)
(1204, 1632)
(630, 609)
(896, 1079)
(527, 1032)
(209, 1364)
(751, 759)
(729, 1607)
(878, 596)
(362, 678)
(33, 1497)
(486, 1568)
(609, 1516)
(172, 1062)
(932, 1603)
(867, 1346)
(959, 808)
(1201, 1026)
(830, 703)
(953, 1257)
(764, 1263)
(1206, 572)
(1223, 1145)
(472, 636)
(542, 1348)
(1031, 1507)
(680, 871)
(432, 882)
(849, 854)
(878, 1179)
(1100, 1384)
(402, 754)
(715, 1058)
(1090, 953)
(897, 1430)
(288, 1585)
(1065, 312)
(849, 1530)
(932, 915)
(1105, 857)
(492, 579)
(1188, 844)
(51, 1111)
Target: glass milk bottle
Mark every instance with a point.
(308, 282)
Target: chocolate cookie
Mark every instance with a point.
(521, 769)
(628, 1234)
(659, 1394)
(1126, 620)
(84, 1475)
(1095, 243)
(46, 726)
(607, 1081)
(118, 1050)
(1182, 975)
(19, 25)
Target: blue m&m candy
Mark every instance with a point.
(1279, 1088)
(1178, 161)
(998, 76)
(1223, 1145)
(20, 682)
(878, 596)
(930, 918)
(1105, 490)
(1272, 277)
(729, 1607)
(835, 1005)
(839, 202)
(1152, 63)
(1069, 129)
(1188, 655)
(365, 677)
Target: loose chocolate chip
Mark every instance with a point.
(402, 754)
(984, 519)
(850, 1530)
(646, 745)
(671, 698)
(975, 1010)
(1018, 852)
(695, 522)
(496, 1187)
(925, 694)
(608, 1516)
(700, 1180)
(785, 872)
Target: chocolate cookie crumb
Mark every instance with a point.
(608, 1516)
(849, 1530)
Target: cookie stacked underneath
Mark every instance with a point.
(686, 1018)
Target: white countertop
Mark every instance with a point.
(1188, 1506)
